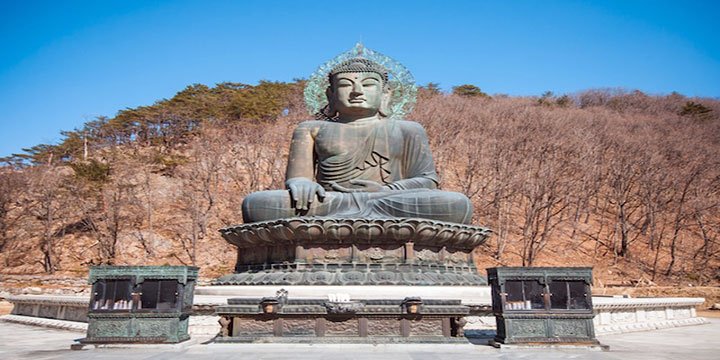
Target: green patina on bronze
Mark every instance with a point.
(400, 82)
(140, 304)
(542, 305)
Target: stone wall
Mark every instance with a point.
(614, 314)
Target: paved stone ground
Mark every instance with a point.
(685, 343)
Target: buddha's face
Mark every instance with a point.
(356, 93)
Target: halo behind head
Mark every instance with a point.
(398, 80)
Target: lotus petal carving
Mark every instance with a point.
(303, 230)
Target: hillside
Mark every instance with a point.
(622, 181)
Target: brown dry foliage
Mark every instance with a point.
(616, 180)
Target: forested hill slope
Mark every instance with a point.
(622, 181)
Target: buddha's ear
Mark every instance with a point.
(329, 94)
(385, 103)
(330, 112)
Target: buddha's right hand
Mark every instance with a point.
(303, 191)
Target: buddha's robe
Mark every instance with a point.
(394, 153)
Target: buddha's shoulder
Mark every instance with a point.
(409, 126)
(312, 124)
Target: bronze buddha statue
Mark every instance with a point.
(359, 162)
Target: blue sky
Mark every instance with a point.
(63, 63)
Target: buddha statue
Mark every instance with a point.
(362, 204)
(359, 162)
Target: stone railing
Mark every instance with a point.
(614, 315)
(71, 308)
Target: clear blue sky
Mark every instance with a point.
(65, 62)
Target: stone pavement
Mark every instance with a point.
(686, 343)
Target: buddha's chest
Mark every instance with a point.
(340, 139)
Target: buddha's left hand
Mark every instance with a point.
(362, 186)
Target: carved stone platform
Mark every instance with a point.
(354, 251)
(342, 320)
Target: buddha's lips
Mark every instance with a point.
(357, 100)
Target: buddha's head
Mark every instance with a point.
(358, 87)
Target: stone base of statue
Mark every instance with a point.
(354, 251)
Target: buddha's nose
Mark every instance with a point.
(357, 88)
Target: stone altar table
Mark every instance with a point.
(339, 319)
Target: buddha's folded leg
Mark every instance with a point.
(422, 203)
(266, 205)
(427, 204)
(276, 204)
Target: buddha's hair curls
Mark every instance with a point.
(359, 64)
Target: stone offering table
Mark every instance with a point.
(342, 320)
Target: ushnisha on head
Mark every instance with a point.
(358, 88)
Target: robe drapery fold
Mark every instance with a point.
(394, 153)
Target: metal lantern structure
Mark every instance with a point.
(140, 304)
(545, 305)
